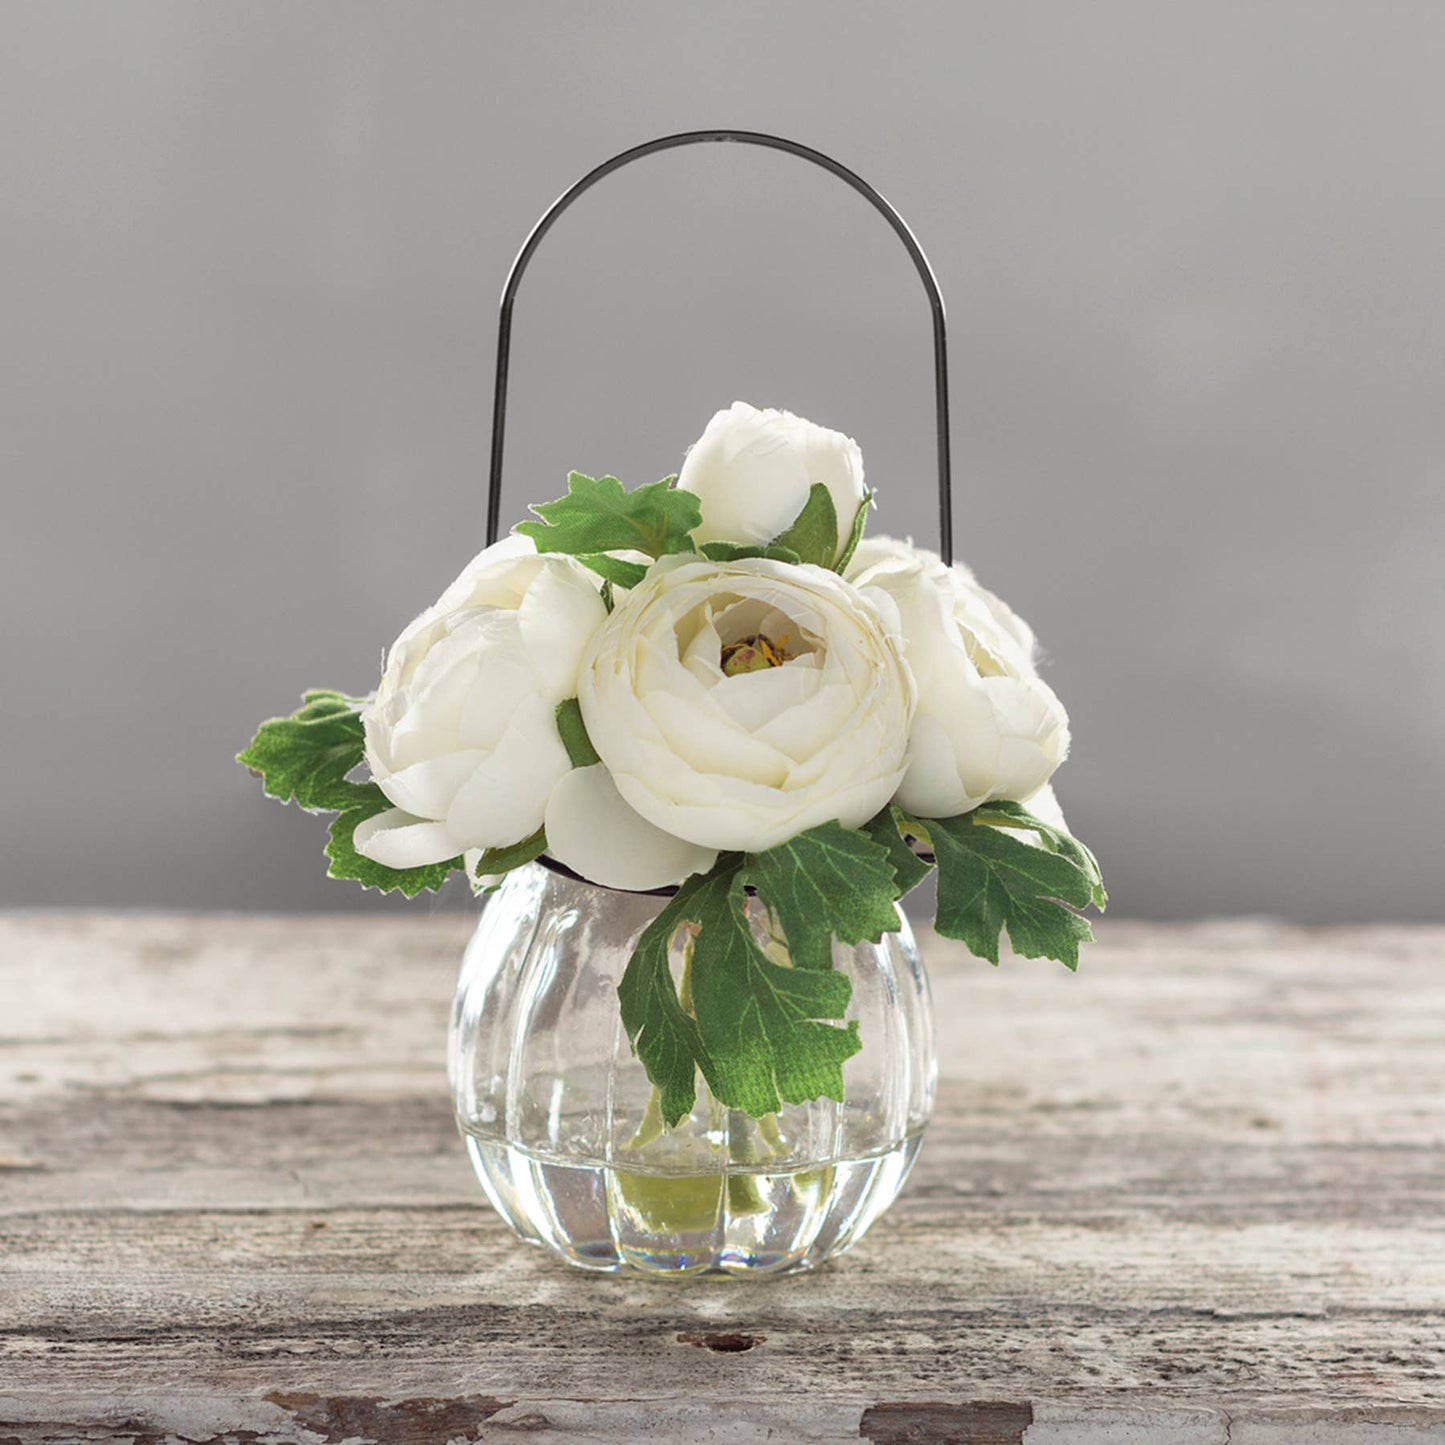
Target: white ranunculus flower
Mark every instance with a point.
(752, 470)
(737, 704)
(462, 734)
(987, 725)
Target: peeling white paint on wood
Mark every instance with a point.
(1194, 1194)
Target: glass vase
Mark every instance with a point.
(563, 1126)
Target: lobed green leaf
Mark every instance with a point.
(305, 757)
(989, 881)
(663, 1034)
(757, 1029)
(597, 515)
(828, 881)
(888, 830)
(1015, 815)
(762, 1024)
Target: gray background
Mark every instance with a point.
(1195, 263)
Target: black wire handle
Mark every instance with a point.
(744, 137)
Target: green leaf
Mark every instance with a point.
(1015, 815)
(988, 881)
(888, 829)
(860, 522)
(514, 855)
(306, 757)
(573, 732)
(756, 1028)
(597, 515)
(733, 552)
(828, 881)
(814, 535)
(764, 1039)
(346, 862)
(617, 570)
(663, 1034)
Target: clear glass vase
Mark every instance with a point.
(563, 1127)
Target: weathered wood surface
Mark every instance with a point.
(1193, 1194)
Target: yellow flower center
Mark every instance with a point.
(753, 654)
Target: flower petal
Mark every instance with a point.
(427, 788)
(1045, 807)
(397, 839)
(592, 830)
(505, 799)
(559, 614)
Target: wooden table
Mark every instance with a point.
(1193, 1194)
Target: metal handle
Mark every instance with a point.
(745, 137)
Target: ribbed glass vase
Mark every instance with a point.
(563, 1127)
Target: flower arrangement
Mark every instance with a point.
(715, 684)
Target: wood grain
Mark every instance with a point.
(1193, 1194)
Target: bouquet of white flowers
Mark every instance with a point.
(715, 684)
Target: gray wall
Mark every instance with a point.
(1195, 263)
